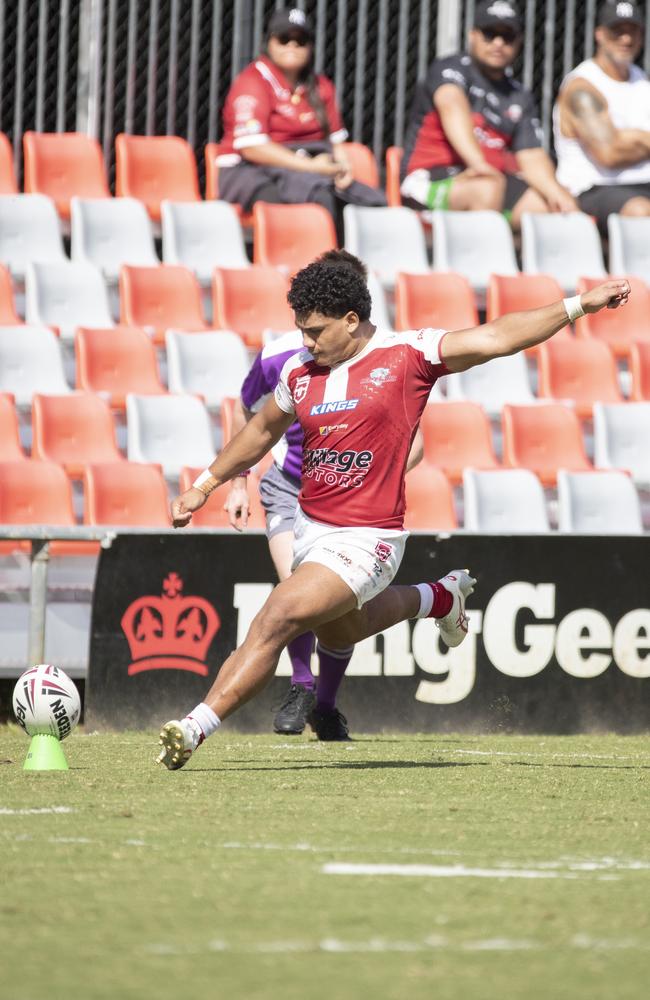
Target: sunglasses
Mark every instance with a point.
(285, 38)
(507, 35)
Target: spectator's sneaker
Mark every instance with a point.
(178, 740)
(329, 724)
(453, 627)
(291, 717)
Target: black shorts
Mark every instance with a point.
(515, 186)
(603, 199)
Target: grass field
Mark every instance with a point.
(510, 867)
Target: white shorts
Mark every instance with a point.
(367, 559)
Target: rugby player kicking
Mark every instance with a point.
(358, 393)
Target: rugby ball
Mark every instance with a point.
(46, 702)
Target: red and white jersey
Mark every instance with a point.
(262, 107)
(359, 420)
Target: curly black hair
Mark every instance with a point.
(333, 285)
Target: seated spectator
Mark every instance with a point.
(283, 130)
(602, 120)
(474, 139)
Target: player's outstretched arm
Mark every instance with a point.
(244, 450)
(515, 332)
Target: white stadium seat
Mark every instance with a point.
(601, 503)
(504, 500)
(202, 235)
(31, 362)
(212, 365)
(475, 244)
(621, 438)
(504, 380)
(387, 240)
(29, 230)
(564, 245)
(66, 295)
(629, 246)
(172, 431)
(379, 312)
(110, 232)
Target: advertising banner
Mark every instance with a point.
(559, 635)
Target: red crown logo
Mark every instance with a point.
(170, 632)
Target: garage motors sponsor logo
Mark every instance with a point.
(336, 468)
(336, 406)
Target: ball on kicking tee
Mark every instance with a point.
(46, 702)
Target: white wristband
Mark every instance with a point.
(573, 307)
(205, 482)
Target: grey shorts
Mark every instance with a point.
(279, 496)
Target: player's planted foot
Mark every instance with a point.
(329, 724)
(291, 717)
(453, 627)
(178, 741)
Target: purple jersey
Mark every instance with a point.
(260, 383)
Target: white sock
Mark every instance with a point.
(426, 599)
(203, 717)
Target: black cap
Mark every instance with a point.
(498, 14)
(614, 11)
(291, 19)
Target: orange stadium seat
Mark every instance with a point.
(394, 156)
(508, 293)
(618, 328)
(582, 372)
(250, 301)
(155, 167)
(211, 153)
(640, 371)
(10, 446)
(63, 164)
(212, 515)
(362, 163)
(8, 183)
(226, 411)
(543, 439)
(429, 500)
(74, 430)
(37, 493)
(457, 435)
(125, 493)
(440, 300)
(160, 298)
(639, 367)
(291, 236)
(8, 314)
(116, 361)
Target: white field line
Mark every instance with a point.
(551, 755)
(442, 871)
(36, 812)
(380, 945)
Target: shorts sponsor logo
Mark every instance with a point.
(339, 555)
(330, 428)
(301, 387)
(336, 406)
(383, 551)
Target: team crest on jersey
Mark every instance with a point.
(300, 389)
(379, 376)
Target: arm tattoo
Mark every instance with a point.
(589, 111)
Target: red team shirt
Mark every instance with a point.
(261, 106)
(359, 420)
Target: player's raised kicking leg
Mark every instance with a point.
(315, 598)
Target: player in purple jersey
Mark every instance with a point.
(279, 490)
(349, 525)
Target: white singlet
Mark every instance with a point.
(628, 104)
